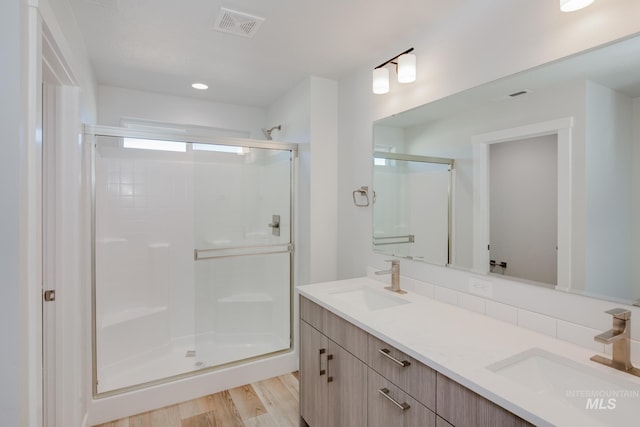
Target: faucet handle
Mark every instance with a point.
(620, 313)
(393, 261)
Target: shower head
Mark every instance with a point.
(267, 132)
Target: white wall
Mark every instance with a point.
(64, 29)
(484, 41)
(324, 180)
(293, 112)
(11, 370)
(308, 116)
(116, 103)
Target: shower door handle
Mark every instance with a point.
(275, 225)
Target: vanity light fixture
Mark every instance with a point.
(405, 68)
(200, 86)
(573, 5)
(380, 80)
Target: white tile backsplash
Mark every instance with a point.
(446, 295)
(537, 322)
(579, 335)
(503, 312)
(421, 288)
(471, 302)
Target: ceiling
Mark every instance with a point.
(166, 45)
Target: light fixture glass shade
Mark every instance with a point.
(572, 5)
(380, 80)
(407, 68)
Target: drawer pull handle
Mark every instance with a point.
(386, 353)
(329, 376)
(402, 406)
(321, 352)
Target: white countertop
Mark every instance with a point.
(461, 344)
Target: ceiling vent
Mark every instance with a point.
(238, 23)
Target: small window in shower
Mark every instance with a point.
(152, 144)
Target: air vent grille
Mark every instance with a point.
(238, 23)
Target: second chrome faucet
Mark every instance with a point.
(395, 276)
(619, 337)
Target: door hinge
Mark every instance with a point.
(49, 295)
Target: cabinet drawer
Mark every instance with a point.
(345, 334)
(311, 313)
(462, 407)
(387, 405)
(415, 378)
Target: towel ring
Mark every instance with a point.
(364, 193)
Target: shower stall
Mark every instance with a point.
(192, 255)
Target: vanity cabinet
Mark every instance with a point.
(349, 378)
(332, 380)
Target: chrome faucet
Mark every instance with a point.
(395, 276)
(620, 338)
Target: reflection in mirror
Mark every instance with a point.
(523, 206)
(412, 206)
(599, 92)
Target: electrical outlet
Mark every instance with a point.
(480, 287)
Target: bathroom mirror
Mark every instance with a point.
(597, 92)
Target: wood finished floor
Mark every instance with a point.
(268, 403)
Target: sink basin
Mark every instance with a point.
(605, 398)
(368, 299)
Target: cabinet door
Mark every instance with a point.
(463, 408)
(347, 388)
(314, 407)
(388, 406)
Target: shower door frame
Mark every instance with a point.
(91, 132)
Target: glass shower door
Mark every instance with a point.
(243, 252)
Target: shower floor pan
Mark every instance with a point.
(179, 358)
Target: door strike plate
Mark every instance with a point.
(50, 295)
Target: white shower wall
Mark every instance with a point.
(144, 253)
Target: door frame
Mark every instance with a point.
(54, 393)
(563, 129)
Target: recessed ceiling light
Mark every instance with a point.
(200, 86)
